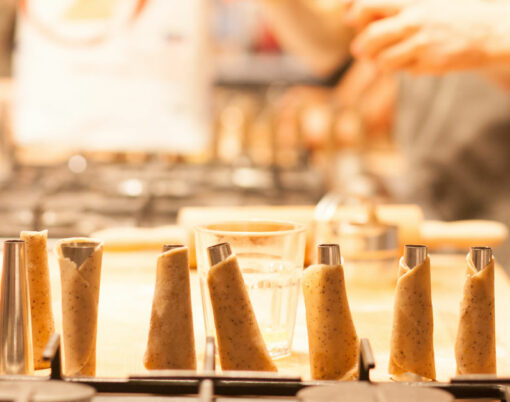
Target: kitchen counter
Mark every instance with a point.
(126, 296)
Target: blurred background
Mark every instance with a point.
(119, 113)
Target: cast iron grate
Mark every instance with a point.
(209, 383)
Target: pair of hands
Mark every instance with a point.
(430, 36)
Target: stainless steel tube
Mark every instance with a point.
(481, 256)
(329, 254)
(16, 354)
(78, 252)
(218, 253)
(414, 255)
(167, 247)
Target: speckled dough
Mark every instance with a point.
(412, 345)
(171, 342)
(80, 298)
(240, 342)
(332, 339)
(40, 292)
(475, 346)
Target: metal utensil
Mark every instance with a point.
(219, 253)
(414, 255)
(329, 254)
(206, 387)
(16, 354)
(481, 257)
(78, 252)
(327, 206)
(167, 247)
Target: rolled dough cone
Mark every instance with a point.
(240, 342)
(475, 346)
(332, 339)
(411, 345)
(171, 342)
(40, 293)
(80, 298)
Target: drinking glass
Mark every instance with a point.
(271, 256)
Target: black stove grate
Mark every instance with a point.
(209, 383)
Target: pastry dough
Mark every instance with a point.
(171, 342)
(475, 347)
(332, 339)
(40, 293)
(80, 298)
(412, 346)
(240, 342)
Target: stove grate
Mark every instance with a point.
(210, 383)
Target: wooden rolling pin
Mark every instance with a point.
(461, 235)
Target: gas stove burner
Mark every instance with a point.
(45, 391)
(367, 392)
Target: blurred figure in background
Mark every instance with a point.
(313, 30)
(316, 32)
(7, 18)
(356, 102)
(453, 119)
(454, 128)
(7, 30)
(431, 37)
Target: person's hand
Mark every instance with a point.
(371, 94)
(359, 13)
(437, 36)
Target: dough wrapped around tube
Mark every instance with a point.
(240, 342)
(412, 344)
(332, 339)
(80, 278)
(475, 346)
(171, 342)
(41, 311)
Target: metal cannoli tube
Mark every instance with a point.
(16, 354)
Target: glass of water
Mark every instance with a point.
(271, 256)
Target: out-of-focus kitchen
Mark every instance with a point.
(154, 135)
(109, 129)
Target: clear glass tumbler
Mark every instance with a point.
(271, 256)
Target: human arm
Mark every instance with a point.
(436, 37)
(360, 13)
(313, 30)
(7, 19)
